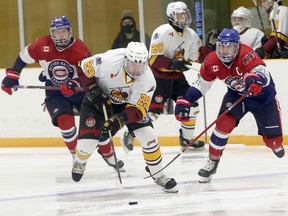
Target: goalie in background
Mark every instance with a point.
(241, 20)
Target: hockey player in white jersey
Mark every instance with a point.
(173, 46)
(241, 19)
(122, 80)
(270, 45)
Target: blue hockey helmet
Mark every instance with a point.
(227, 45)
(61, 39)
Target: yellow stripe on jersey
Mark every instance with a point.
(280, 36)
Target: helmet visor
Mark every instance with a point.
(133, 69)
(227, 51)
(61, 36)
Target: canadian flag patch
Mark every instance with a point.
(46, 49)
(215, 68)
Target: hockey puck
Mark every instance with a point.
(133, 203)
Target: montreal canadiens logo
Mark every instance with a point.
(90, 122)
(59, 71)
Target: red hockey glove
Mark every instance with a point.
(10, 80)
(182, 109)
(253, 82)
(68, 88)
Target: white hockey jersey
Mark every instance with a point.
(114, 81)
(251, 37)
(281, 22)
(168, 42)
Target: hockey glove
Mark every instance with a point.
(261, 52)
(182, 109)
(42, 76)
(68, 88)
(264, 39)
(114, 124)
(253, 83)
(96, 96)
(179, 64)
(10, 80)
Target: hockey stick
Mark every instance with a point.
(275, 10)
(44, 87)
(206, 129)
(110, 136)
(261, 21)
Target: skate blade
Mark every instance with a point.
(120, 169)
(204, 179)
(172, 190)
(192, 149)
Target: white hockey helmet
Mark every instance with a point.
(241, 19)
(179, 14)
(268, 5)
(136, 60)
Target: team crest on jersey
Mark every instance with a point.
(156, 36)
(59, 71)
(158, 98)
(90, 122)
(235, 83)
(179, 51)
(118, 96)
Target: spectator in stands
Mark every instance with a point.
(128, 31)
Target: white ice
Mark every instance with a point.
(37, 182)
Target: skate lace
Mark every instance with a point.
(78, 168)
(162, 180)
(210, 165)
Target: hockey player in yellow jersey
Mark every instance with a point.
(122, 80)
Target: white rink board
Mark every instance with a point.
(22, 114)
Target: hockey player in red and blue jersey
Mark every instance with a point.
(58, 55)
(241, 70)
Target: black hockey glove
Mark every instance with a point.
(264, 39)
(114, 124)
(42, 76)
(261, 52)
(179, 64)
(276, 54)
(96, 96)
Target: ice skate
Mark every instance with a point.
(168, 185)
(111, 162)
(279, 152)
(208, 170)
(78, 171)
(127, 141)
(199, 145)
